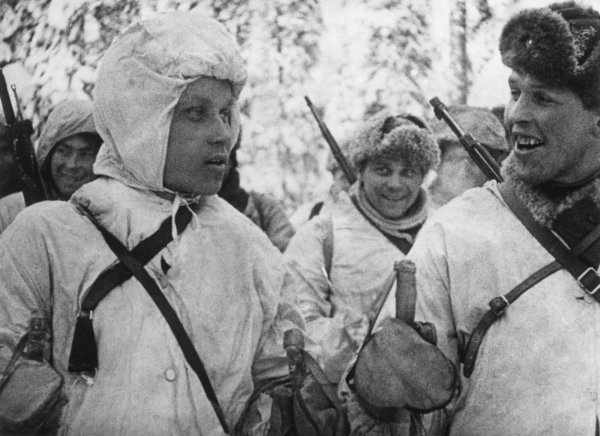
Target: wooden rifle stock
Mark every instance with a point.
(19, 133)
(333, 145)
(474, 148)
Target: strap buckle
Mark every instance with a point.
(498, 305)
(584, 275)
(89, 314)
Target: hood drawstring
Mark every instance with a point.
(174, 209)
(178, 201)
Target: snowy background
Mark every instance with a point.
(352, 57)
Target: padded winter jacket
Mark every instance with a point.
(268, 214)
(10, 206)
(224, 281)
(222, 275)
(537, 370)
(338, 305)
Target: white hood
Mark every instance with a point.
(140, 81)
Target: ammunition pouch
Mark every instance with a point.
(30, 395)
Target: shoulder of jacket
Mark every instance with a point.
(472, 202)
(239, 224)
(36, 220)
(12, 201)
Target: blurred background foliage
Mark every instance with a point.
(352, 57)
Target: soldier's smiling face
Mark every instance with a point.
(554, 137)
(391, 186)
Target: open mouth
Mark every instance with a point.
(217, 161)
(393, 198)
(527, 143)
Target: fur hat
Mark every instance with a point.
(388, 136)
(559, 45)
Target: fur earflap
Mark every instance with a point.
(409, 140)
(558, 44)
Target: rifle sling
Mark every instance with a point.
(313, 367)
(389, 285)
(585, 275)
(12, 363)
(135, 267)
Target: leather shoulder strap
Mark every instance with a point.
(84, 352)
(497, 307)
(144, 252)
(135, 267)
(499, 304)
(585, 274)
(316, 209)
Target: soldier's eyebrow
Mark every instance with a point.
(191, 101)
(532, 84)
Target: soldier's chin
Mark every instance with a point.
(207, 188)
(513, 168)
(66, 191)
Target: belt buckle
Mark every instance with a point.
(582, 276)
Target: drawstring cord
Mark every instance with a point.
(177, 202)
(174, 209)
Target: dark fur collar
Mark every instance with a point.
(546, 203)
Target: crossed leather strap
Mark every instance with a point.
(566, 258)
(84, 353)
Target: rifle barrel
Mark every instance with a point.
(19, 135)
(9, 113)
(477, 152)
(333, 145)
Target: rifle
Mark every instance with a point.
(19, 131)
(474, 148)
(333, 145)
